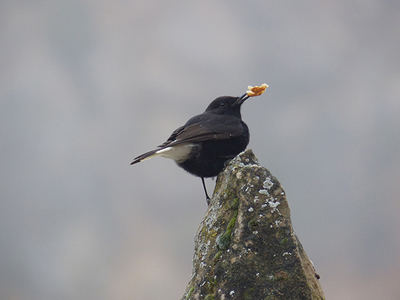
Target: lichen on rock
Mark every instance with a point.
(245, 247)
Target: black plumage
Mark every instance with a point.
(207, 141)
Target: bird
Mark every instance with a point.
(206, 142)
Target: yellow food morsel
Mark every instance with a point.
(256, 90)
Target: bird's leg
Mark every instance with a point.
(205, 190)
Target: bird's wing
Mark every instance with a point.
(173, 136)
(200, 129)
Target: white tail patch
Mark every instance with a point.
(179, 153)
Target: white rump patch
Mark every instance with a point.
(179, 153)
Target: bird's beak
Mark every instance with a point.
(241, 99)
(252, 91)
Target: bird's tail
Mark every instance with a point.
(144, 156)
(178, 153)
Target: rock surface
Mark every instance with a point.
(245, 247)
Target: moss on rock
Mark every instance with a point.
(245, 247)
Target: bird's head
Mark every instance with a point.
(227, 105)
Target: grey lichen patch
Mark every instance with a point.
(245, 247)
(267, 184)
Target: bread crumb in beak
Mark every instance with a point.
(253, 91)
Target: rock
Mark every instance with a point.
(245, 247)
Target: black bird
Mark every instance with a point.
(207, 141)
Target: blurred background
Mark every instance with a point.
(87, 85)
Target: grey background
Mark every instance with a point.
(87, 85)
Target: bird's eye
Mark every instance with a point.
(222, 104)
